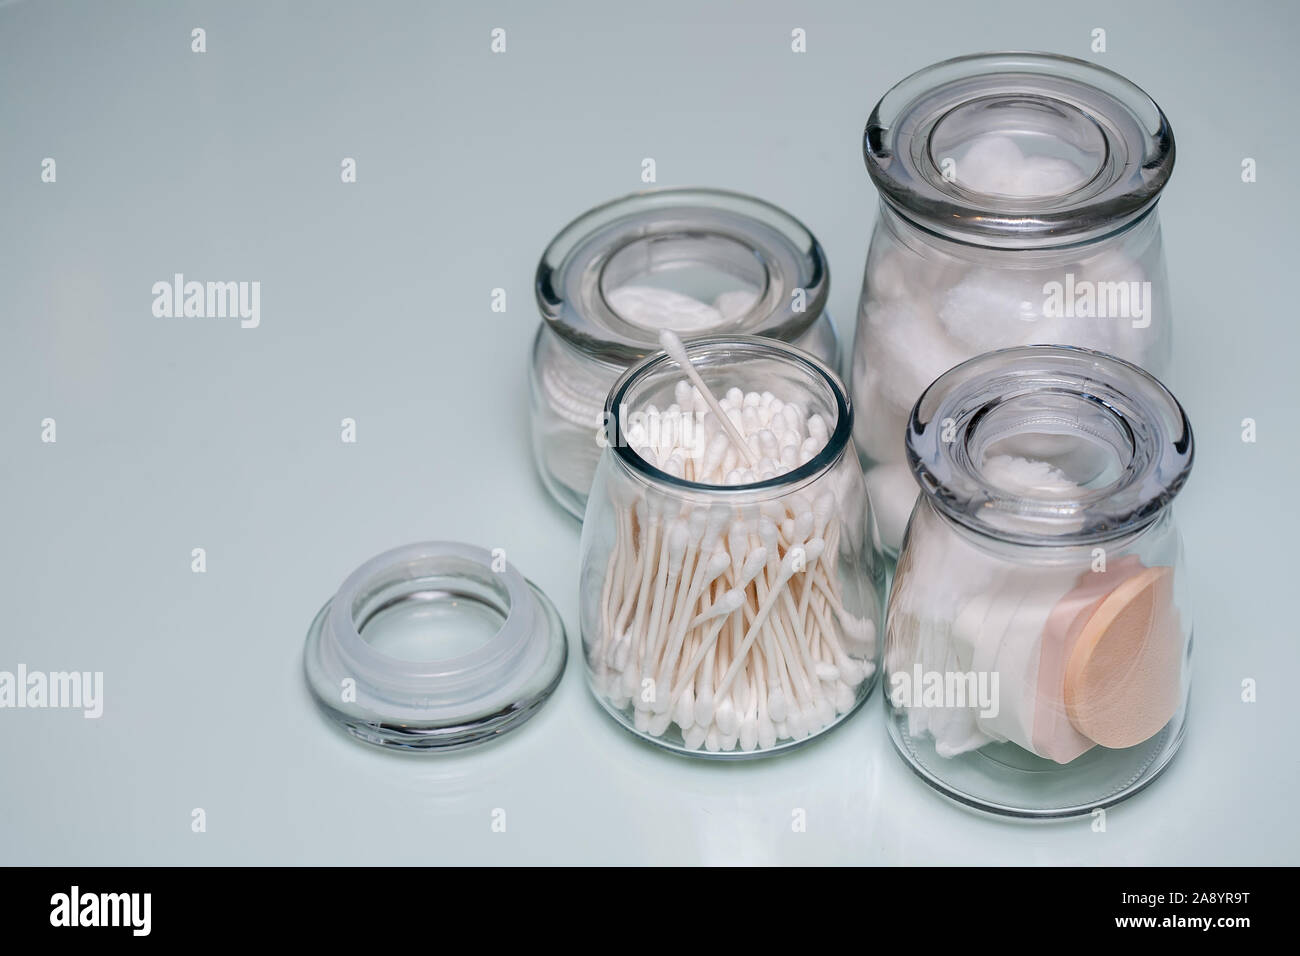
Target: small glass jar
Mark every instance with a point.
(1017, 205)
(730, 620)
(1038, 641)
(692, 260)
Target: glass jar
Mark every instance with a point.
(730, 620)
(692, 260)
(1017, 205)
(1038, 640)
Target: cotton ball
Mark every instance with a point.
(995, 165)
(897, 273)
(990, 309)
(990, 165)
(878, 428)
(734, 304)
(1112, 266)
(887, 276)
(1048, 176)
(892, 491)
(910, 348)
(662, 309)
(1138, 335)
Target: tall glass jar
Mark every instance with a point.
(730, 619)
(695, 261)
(1017, 205)
(1038, 641)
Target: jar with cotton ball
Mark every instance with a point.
(1038, 640)
(731, 592)
(694, 261)
(1018, 198)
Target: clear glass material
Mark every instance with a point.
(695, 261)
(434, 646)
(1018, 206)
(739, 620)
(1037, 650)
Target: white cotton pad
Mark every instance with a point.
(734, 304)
(931, 644)
(988, 645)
(946, 723)
(1018, 657)
(968, 625)
(653, 308)
(961, 731)
(892, 491)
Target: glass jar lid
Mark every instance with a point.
(693, 260)
(1049, 445)
(1017, 150)
(434, 646)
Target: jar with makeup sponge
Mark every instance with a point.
(731, 591)
(695, 261)
(1018, 200)
(1038, 639)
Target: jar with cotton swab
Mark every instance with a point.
(695, 261)
(1018, 205)
(731, 590)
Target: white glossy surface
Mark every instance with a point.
(183, 433)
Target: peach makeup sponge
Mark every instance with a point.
(1124, 676)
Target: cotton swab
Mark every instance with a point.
(671, 344)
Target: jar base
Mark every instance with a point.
(568, 499)
(1007, 781)
(672, 740)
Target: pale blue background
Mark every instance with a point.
(174, 434)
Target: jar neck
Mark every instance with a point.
(1048, 552)
(1019, 150)
(1049, 446)
(734, 265)
(1137, 232)
(748, 363)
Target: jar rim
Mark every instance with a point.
(945, 448)
(568, 284)
(1135, 165)
(755, 345)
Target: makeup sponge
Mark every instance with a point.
(1123, 681)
